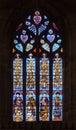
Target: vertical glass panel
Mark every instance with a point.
(17, 89)
(57, 89)
(44, 89)
(30, 88)
(30, 105)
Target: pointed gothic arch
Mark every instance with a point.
(37, 80)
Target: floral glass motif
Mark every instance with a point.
(34, 26)
(23, 36)
(37, 70)
(37, 18)
(57, 89)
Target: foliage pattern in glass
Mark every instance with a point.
(36, 26)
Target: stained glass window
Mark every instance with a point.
(37, 70)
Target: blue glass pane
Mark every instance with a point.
(46, 22)
(50, 31)
(27, 23)
(58, 36)
(30, 88)
(41, 29)
(43, 36)
(59, 41)
(32, 28)
(45, 17)
(55, 47)
(19, 47)
(29, 18)
(50, 38)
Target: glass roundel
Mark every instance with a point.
(37, 70)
